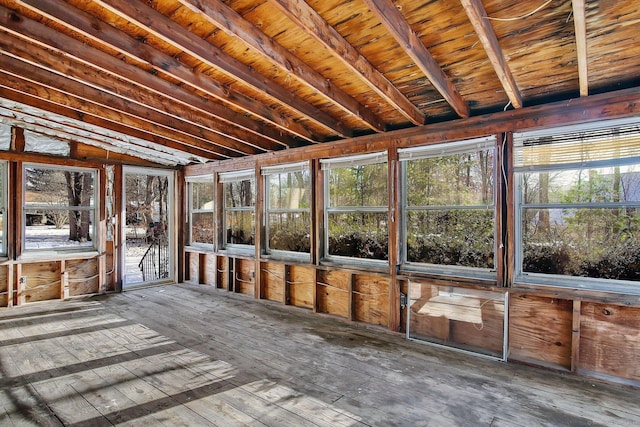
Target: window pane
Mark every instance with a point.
(240, 227)
(50, 220)
(202, 195)
(239, 194)
(289, 231)
(359, 235)
(202, 227)
(358, 186)
(598, 185)
(58, 229)
(588, 242)
(290, 190)
(463, 237)
(463, 179)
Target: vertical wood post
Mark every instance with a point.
(394, 190)
(575, 336)
(352, 299)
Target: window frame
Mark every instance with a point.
(197, 179)
(445, 150)
(345, 162)
(4, 207)
(225, 178)
(267, 172)
(560, 280)
(94, 211)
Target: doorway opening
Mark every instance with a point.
(148, 226)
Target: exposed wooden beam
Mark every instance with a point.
(170, 32)
(95, 86)
(18, 75)
(106, 35)
(397, 26)
(117, 124)
(314, 25)
(580, 25)
(49, 101)
(222, 119)
(478, 17)
(227, 19)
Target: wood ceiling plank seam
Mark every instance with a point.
(115, 124)
(227, 19)
(53, 82)
(478, 18)
(65, 68)
(580, 25)
(165, 29)
(305, 17)
(106, 35)
(67, 46)
(397, 26)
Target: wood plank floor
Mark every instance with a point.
(193, 355)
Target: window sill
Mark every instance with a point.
(45, 255)
(457, 275)
(287, 257)
(199, 249)
(370, 266)
(627, 293)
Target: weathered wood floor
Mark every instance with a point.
(189, 355)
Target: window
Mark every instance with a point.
(3, 208)
(288, 208)
(239, 208)
(449, 208)
(356, 207)
(201, 210)
(578, 199)
(59, 208)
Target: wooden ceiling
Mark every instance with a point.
(200, 80)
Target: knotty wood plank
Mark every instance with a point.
(609, 341)
(273, 278)
(540, 330)
(333, 292)
(302, 285)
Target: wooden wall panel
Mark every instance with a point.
(272, 276)
(222, 272)
(209, 273)
(4, 285)
(83, 276)
(193, 266)
(302, 286)
(540, 330)
(42, 281)
(610, 340)
(371, 299)
(333, 292)
(244, 276)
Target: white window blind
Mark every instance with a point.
(447, 149)
(289, 167)
(354, 161)
(236, 176)
(592, 144)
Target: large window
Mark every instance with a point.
(239, 208)
(356, 207)
(578, 199)
(201, 210)
(449, 207)
(59, 208)
(288, 208)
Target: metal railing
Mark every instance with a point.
(154, 264)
